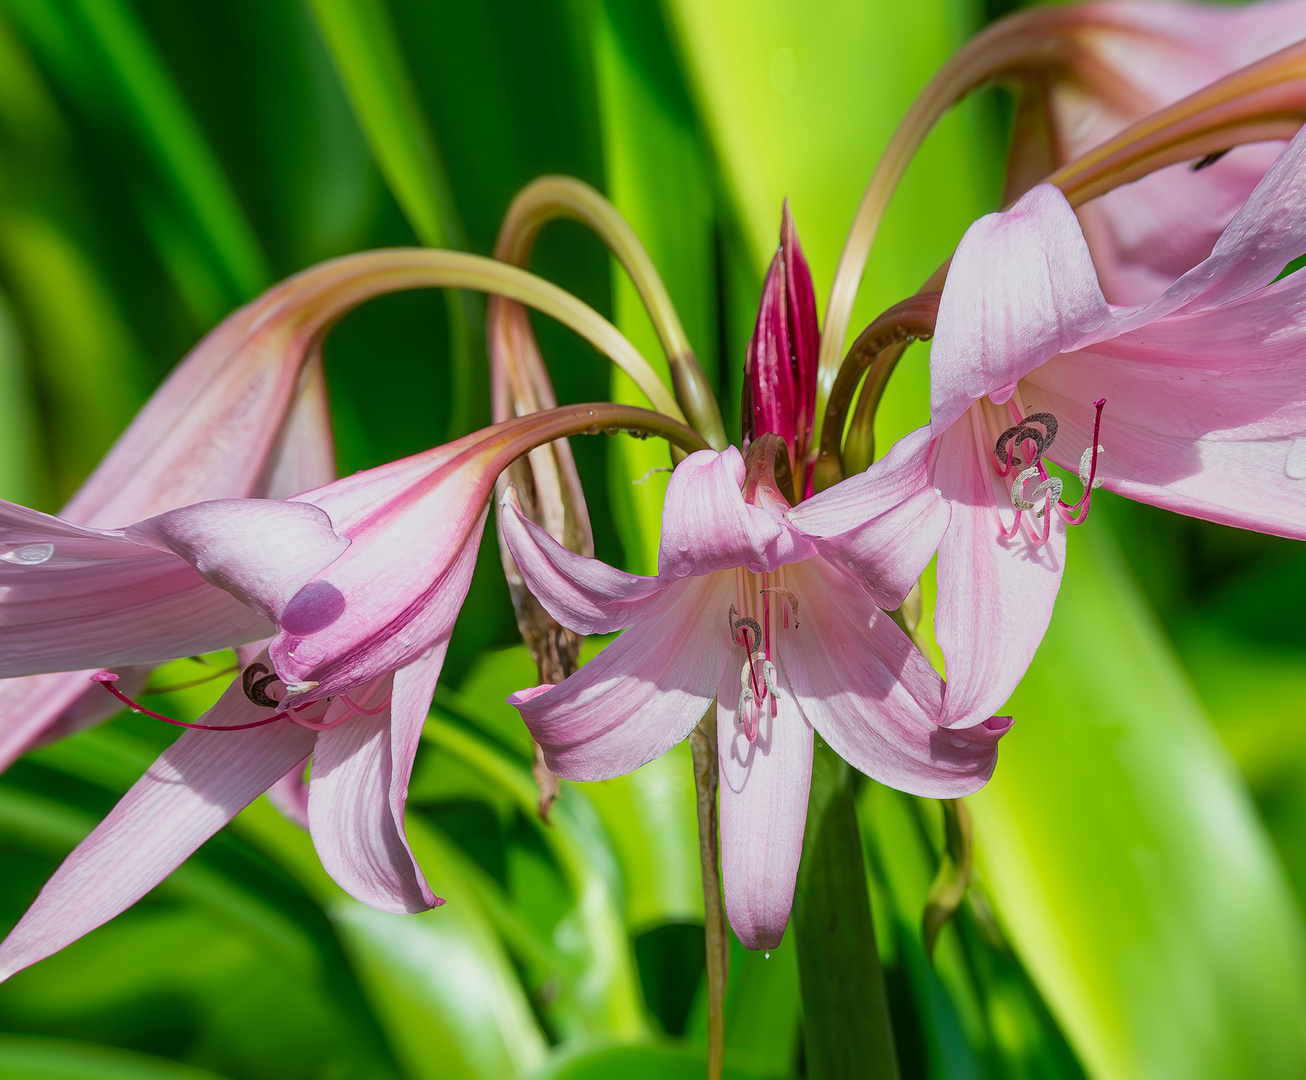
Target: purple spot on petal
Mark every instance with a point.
(316, 606)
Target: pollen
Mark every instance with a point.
(1031, 436)
(765, 607)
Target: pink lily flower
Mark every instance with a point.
(244, 415)
(358, 583)
(1151, 53)
(787, 634)
(1199, 399)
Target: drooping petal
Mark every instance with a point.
(643, 693)
(198, 784)
(290, 795)
(32, 705)
(304, 455)
(1267, 233)
(1204, 415)
(1146, 234)
(707, 525)
(995, 595)
(763, 791)
(584, 595)
(370, 615)
(262, 551)
(882, 525)
(875, 698)
(359, 786)
(1020, 290)
(75, 597)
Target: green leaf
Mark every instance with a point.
(1124, 858)
(846, 1029)
(84, 38)
(640, 1062)
(657, 178)
(599, 992)
(25, 1057)
(440, 982)
(798, 100)
(19, 453)
(372, 67)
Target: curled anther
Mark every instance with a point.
(256, 689)
(789, 597)
(1025, 430)
(741, 623)
(768, 679)
(1086, 467)
(1051, 484)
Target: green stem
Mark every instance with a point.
(846, 1027)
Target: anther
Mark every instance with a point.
(789, 597)
(256, 689)
(1025, 431)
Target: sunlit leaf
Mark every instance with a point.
(25, 1057)
(1124, 857)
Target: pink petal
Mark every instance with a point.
(198, 784)
(31, 706)
(995, 596)
(1020, 290)
(290, 795)
(1205, 414)
(706, 525)
(378, 608)
(1263, 237)
(76, 598)
(262, 551)
(359, 786)
(304, 454)
(585, 595)
(643, 693)
(1146, 234)
(763, 793)
(874, 699)
(882, 525)
(234, 418)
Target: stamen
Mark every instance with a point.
(743, 623)
(790, 598)
(361, 710)
(256, 688)
(1023, 432)
(108, 678)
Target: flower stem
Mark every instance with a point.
(846, 1027)
(552, 197)
(702, 741)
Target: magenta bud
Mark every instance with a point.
(780, 366)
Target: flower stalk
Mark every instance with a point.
(553, 197)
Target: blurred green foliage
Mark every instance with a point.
(1142, 849)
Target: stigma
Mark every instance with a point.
(766, 606)
(1024, 446)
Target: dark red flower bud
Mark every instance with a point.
(780, 366)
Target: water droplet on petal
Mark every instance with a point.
(958, 742)
(766, 955)
(29, 554)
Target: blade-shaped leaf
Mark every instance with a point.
(1124, 857)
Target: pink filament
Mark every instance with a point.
(108, 678)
